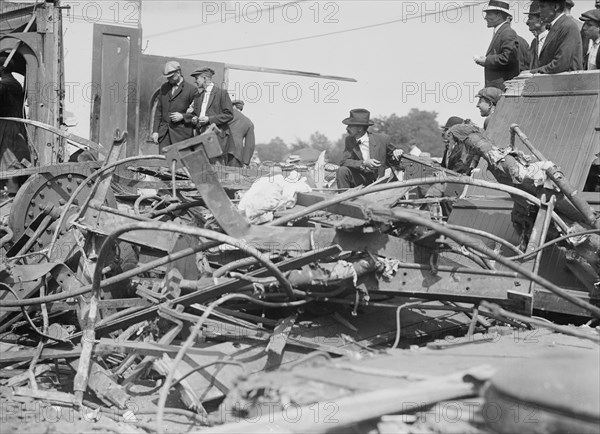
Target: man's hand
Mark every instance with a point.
(480, 60)
(371, 164)
(202, 120)
(154, 137)
(176, 117)
(397, 154)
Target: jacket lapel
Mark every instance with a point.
(373, 146)
(552, 34)
(212, 96)
(496, 36)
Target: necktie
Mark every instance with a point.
(174, 89)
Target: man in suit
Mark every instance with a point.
(366, 155)
(242, 133)
(13, 144)
(212, 105)
(534, 22)
(501, 61)
(591, 28)
(562, 50)
(174, 98)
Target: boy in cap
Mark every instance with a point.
(174, 97)
(488, 99)
(591, 29)
(501, 61)
(562, 50)
(212, 105)
(366, 155)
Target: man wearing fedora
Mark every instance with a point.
(501, 61)
(212, 105)
(562, 50)
(539, 31)
(174, 97)
(366, 155)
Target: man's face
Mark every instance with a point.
(201, 81)
(534, 22)
(591, 29)
(355, 131)
(493, 18)
(548, 11)
(174, 79)
(485, 107)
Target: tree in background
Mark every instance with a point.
(276, 150)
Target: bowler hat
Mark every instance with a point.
(358, 117)
(534, 8)
(237, 102)
(497, 5)
(592, 15)
(491, 94)
(209, 72)
(454, 120)
(171, 67)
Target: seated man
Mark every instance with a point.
(366, 155)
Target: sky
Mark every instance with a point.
(403, 54)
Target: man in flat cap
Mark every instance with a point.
(174, 98)
(242, 134)
(501, 61)
(539, 31)
(488, 99)
(366, 155)
(212, 105)
(591, 29)
(562, 50)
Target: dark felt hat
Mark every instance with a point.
(534, 8)
(454, 120)
(203, 71)
(358, 117)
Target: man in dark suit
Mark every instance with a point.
(534, 22)
(366, 155)
(501, 61)
(242, 133)
(591, 28)
(212, 105)
(562, 51)
(174, 98)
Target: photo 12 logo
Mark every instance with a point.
(290, 92)
(270, 12)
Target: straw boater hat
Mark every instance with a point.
(497, 5)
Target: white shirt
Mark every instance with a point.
(593, 55)
(363, 144)
(541, 40)
(207, 92)
(176, 86)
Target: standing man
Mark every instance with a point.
(174, 98)
(488, 99)
(562, 50)
(212, 105)
(13, 144)
(366, 155)
(501, 61)
(242, 133)
(534, 22)
(591, 29)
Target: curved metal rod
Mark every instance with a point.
(552, 242)
(486, 235)
(464, 180)
(472, 243)
(78, 190)
(69, 136)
